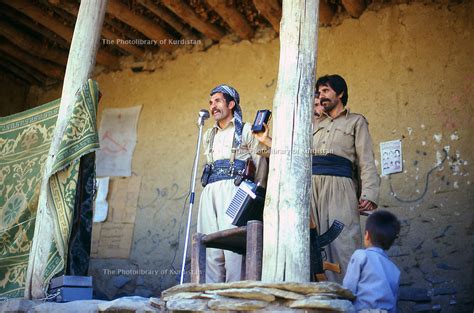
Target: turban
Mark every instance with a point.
(228, 90)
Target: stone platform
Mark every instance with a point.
(258, 297)
(252, 296)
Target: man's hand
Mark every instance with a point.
(263, 136)
(366, 205)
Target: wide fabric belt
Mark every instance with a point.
(222, 169)
(332, 165)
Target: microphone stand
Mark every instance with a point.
(201, 119)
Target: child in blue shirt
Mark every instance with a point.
(370, 275)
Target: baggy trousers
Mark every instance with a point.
(334, 198)
(221, 265)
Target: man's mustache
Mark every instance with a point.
(322, 100)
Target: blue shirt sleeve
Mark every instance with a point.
(356, 264)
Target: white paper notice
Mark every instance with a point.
(118, 137)
(391, 156)
(101, 207)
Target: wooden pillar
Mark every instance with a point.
(286, 214)
(81, 61)
(253, 254)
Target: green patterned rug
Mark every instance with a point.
(25, 139)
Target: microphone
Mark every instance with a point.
(203, 115)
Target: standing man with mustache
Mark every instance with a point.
(227, 147)
(342, 144)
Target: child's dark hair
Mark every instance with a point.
(383, 228)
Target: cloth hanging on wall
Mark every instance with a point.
(25, 139)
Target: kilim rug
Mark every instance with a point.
(24, 145)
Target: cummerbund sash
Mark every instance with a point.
(222, 170)
(332, 165)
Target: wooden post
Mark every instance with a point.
(253, 254)
(81, 61)
(198, 260)
(286, 214)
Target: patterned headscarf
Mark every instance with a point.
(237, 110)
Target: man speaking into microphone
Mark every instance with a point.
(227, 147)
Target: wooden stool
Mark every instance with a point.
(245, 240)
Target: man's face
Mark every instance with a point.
(219, 108)
(328, 98)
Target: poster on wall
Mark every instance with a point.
(391, 157)
(117, 137)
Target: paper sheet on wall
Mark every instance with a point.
(118, 137)
(101, 206)
(391, 157)
(124, 199)
(113, 238)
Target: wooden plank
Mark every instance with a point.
(21, 67)
(31, 44)
(84, 46)
(16, 17)
(326, 13)
(126, 31)
(198, 259)
(232, 239)
(48, 69)
(355, 8)
(73, 8)
(271, 10)
(187, 14)
(236, 21)
(68, 12)
(10, 71)
(168, 18)
(140, 23)
(287, 203)
(119, 42)
(103, 57)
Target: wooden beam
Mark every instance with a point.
(17, 74)
(168, 18)
(140, 23)
(73, 8)
(32, 45)
(119, 42)
(16, 17)
(236, 21)
(47, 69)
(125, 30)
(24, 6)
(287, 202)
(84, 46)
(38, 76)
(187, 14)
(271, 10)
(325, 13)
(355, 8)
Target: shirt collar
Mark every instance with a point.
(232, 121)
(378, 250)
(345, 112)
